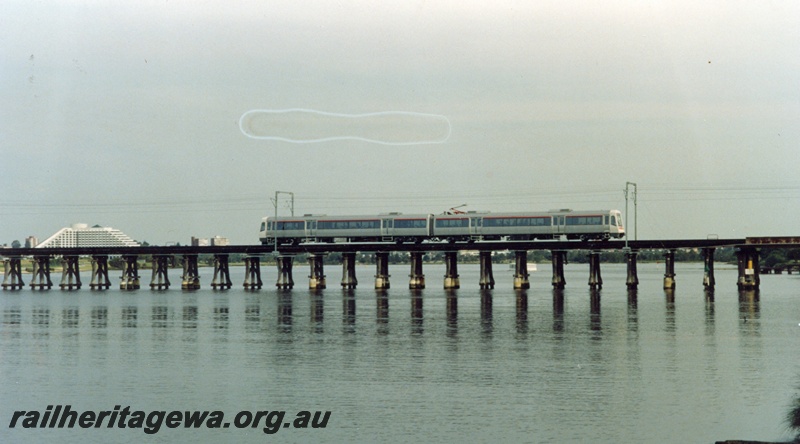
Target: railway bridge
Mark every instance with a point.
(747, 252)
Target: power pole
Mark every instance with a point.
(275, 205)
(635, 216)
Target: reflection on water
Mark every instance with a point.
(189, 316)
(749, 314)
(669, 298)
(348, 310)
(416, 312)
(633, 310)
(317, 309)
(595, 323)
(452, 312)
(558, 310)
(129, 316)
(382, 312)
(285, 311)
(710, 319)
(486, 312)
(522, 311)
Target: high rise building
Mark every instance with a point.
(81, 235)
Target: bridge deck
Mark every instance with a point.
(388, 246)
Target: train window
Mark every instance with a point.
(263, 226)
(410, 223)
(452, 223)
(613, 220)
(584, 220)
(517, 221)
(348, 224)
(293, 225)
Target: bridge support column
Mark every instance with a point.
(487, 278)
(559, 260)
(748, 269)
(349, 270)
(252, 273)
(285, 281)
(221, 270)
(451, 280)
(521, 275)
(70, 274)
(41, 273)
(381, 271)
(159, 279)
(669, 271)
(130, 273)
(633, 277)
(595, 280)
(417, 281)
(12, 276)
(316, 278)
(100, 280)
(191, 276)
(708, 268)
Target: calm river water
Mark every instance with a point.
(405, 366)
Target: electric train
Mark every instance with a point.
(450, 227)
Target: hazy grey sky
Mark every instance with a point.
(126, 114)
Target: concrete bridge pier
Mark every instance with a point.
(221, 270)
(191, 276)
(451, 280)
(417, 281)
(41, 273)
(748, 269)
(487, 278)
(381, 271)
(284, 264)
(595, 280)
(252, 273)
(349, 270)
(316, 277)
(12, 276)
(633, 277)
(159, 279)
(669, 272)
(559, 260)
(521, 275)
(708, 268)
(100, 280)
(130, 273)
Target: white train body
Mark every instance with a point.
(470, 226)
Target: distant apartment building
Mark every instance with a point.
(82, 235)
(31, 242)
(216, 241)
(219, 241)
(200, 242)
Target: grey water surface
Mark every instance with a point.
(400, 365)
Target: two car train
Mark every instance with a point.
(451, 227)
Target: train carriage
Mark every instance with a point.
(470, 226)
(321, 228)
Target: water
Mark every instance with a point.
(404, 366)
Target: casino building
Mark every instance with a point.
(82, 235)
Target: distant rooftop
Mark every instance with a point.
(81, 235)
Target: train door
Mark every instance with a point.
(559, 225)
(475, 226)
(387, 227)
(311, 229)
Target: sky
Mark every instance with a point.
(130, 114)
